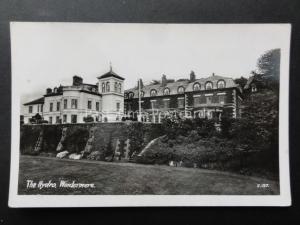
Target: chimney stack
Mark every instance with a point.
(163, 80)
(77, 80)
(48, 91)
(192, 76)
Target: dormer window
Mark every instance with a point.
(166, 91)
(253, 88)
(142, 94)
(208, 85)
(180, 90)
(153, 93)
(221, 84)
(196, 87)
(130, 95)
(107, 86)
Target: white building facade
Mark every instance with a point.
(80, 102)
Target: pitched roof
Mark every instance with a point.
(111, 73)
(173, 86)
(36, 101)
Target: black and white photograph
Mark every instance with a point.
(111, 114)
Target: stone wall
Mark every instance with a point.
(78, 136)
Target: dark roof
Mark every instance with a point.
(36, 101)
(188, 86)
(111, 74)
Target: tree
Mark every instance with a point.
(269, 64)
(241, 81)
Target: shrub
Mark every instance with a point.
(88, 119)
(95, 155)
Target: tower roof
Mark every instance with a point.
(111, 73)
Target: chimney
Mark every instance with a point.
(48, 91)
(138, 82)
(77, 81)
(192, 76)
(213, 74)
(163, 80)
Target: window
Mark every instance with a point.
(116, 87)
(57, 120)
(74, 103)
(196, 87)
(197, 100)
(107, 86)
(73, 118)
(51, 107)
(50, 120)
(58, 106)
(180, 102)
(103, 87)
(222, 99)
(208, 85)
(153, 93)
(208, 99)
(166, 91)
(42, 108)
(130, 94)
(221, 84)
(166, 103)
(180, 90)
(118, 106)
(253, 88)
(65, 103)
(120, 88)
(142, 94)
(65, 118)
(97, 106)
(89, 105)
(154, 104)
(30, 109)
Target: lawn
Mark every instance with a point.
(129, 178)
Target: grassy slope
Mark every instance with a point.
(127, 178)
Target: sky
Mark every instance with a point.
(49, 54)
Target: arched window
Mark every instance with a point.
(130, 95)
(180, 90)
(120, 88)
(166, 91)
(208, 85)
(107, 86)
(116, 86)
(196, 87)
(142, 94)
(153, 92)
(103, 87)
(221, 84)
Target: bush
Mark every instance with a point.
(95, 155)
(88, 119)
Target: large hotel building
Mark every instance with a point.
(107, 101)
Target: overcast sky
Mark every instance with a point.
(49, 54)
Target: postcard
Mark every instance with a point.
(119, 114)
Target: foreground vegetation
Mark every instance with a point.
(128, 178)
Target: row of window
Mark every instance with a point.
(180, 101)
(74, 105)
(181, 89)
(39, 108)
(106, 87)
(58, 120)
